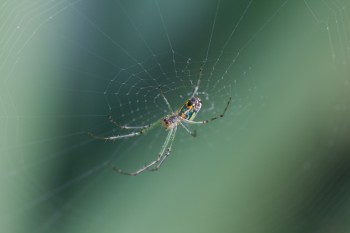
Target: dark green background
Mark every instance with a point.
(277, 162)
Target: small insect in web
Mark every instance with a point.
(170, 122)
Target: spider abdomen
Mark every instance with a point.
(190, 109)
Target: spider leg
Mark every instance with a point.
(165, 99)
(133, 134)
(193, 134)
(170, 137)
(167, 153)
(211, 119)
(143, 130)
(110, 118)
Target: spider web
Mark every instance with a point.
(66, 65)
(149, 61)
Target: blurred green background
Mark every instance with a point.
(277, 162)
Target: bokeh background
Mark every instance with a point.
(277, 162)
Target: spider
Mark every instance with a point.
(185, 114)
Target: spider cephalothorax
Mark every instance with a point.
(171, 121)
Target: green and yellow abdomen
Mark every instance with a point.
(190, 109)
